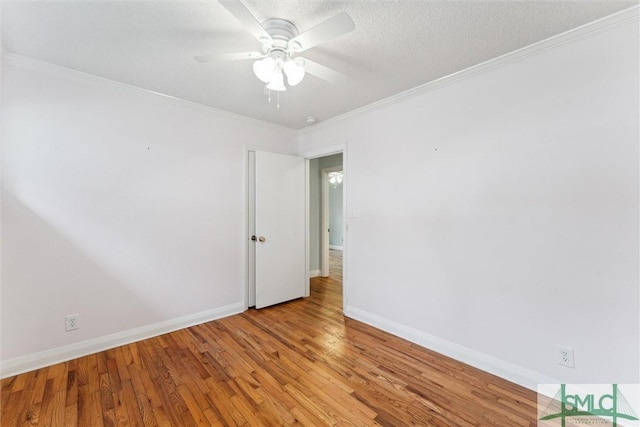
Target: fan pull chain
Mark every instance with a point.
(277, 98)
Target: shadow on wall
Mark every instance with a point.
(46, 276)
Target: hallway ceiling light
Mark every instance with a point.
(335, 178)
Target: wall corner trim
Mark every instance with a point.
(50, 357)
(490, 364)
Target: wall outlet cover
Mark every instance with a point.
(565, 356)
(72, 322)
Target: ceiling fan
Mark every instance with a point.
(281, 43)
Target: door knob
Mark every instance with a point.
(254, 238)
(261, 239)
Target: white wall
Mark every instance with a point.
(122, 206)
(497, 216)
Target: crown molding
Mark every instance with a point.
(584, 31)
(575, 34)
(33, 64)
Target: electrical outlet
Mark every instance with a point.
(71, 322)
(565, 356)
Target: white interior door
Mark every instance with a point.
(280, 246)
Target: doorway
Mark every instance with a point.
(331, 220)
(326, 216)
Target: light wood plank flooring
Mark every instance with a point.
(300, 363)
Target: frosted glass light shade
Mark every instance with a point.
(294, 71)
(264, 69)
(277, 82)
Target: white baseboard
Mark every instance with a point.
(490, 364)
(41, 359)
(336, 247)
(495, 366)
(314, 273)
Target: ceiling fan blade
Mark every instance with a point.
(325, 73)
(328, 30)
(229, 56)
(246, 18)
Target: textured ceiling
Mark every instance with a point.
(397, 45)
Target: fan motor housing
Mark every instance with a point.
(281, 31)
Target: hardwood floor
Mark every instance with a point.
(335, 266)
(300, 362)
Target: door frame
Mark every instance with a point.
(324, 220)
(323, 152)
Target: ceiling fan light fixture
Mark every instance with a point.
(280, 41)
(277, 82)
(264, 69)
(294, 70)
